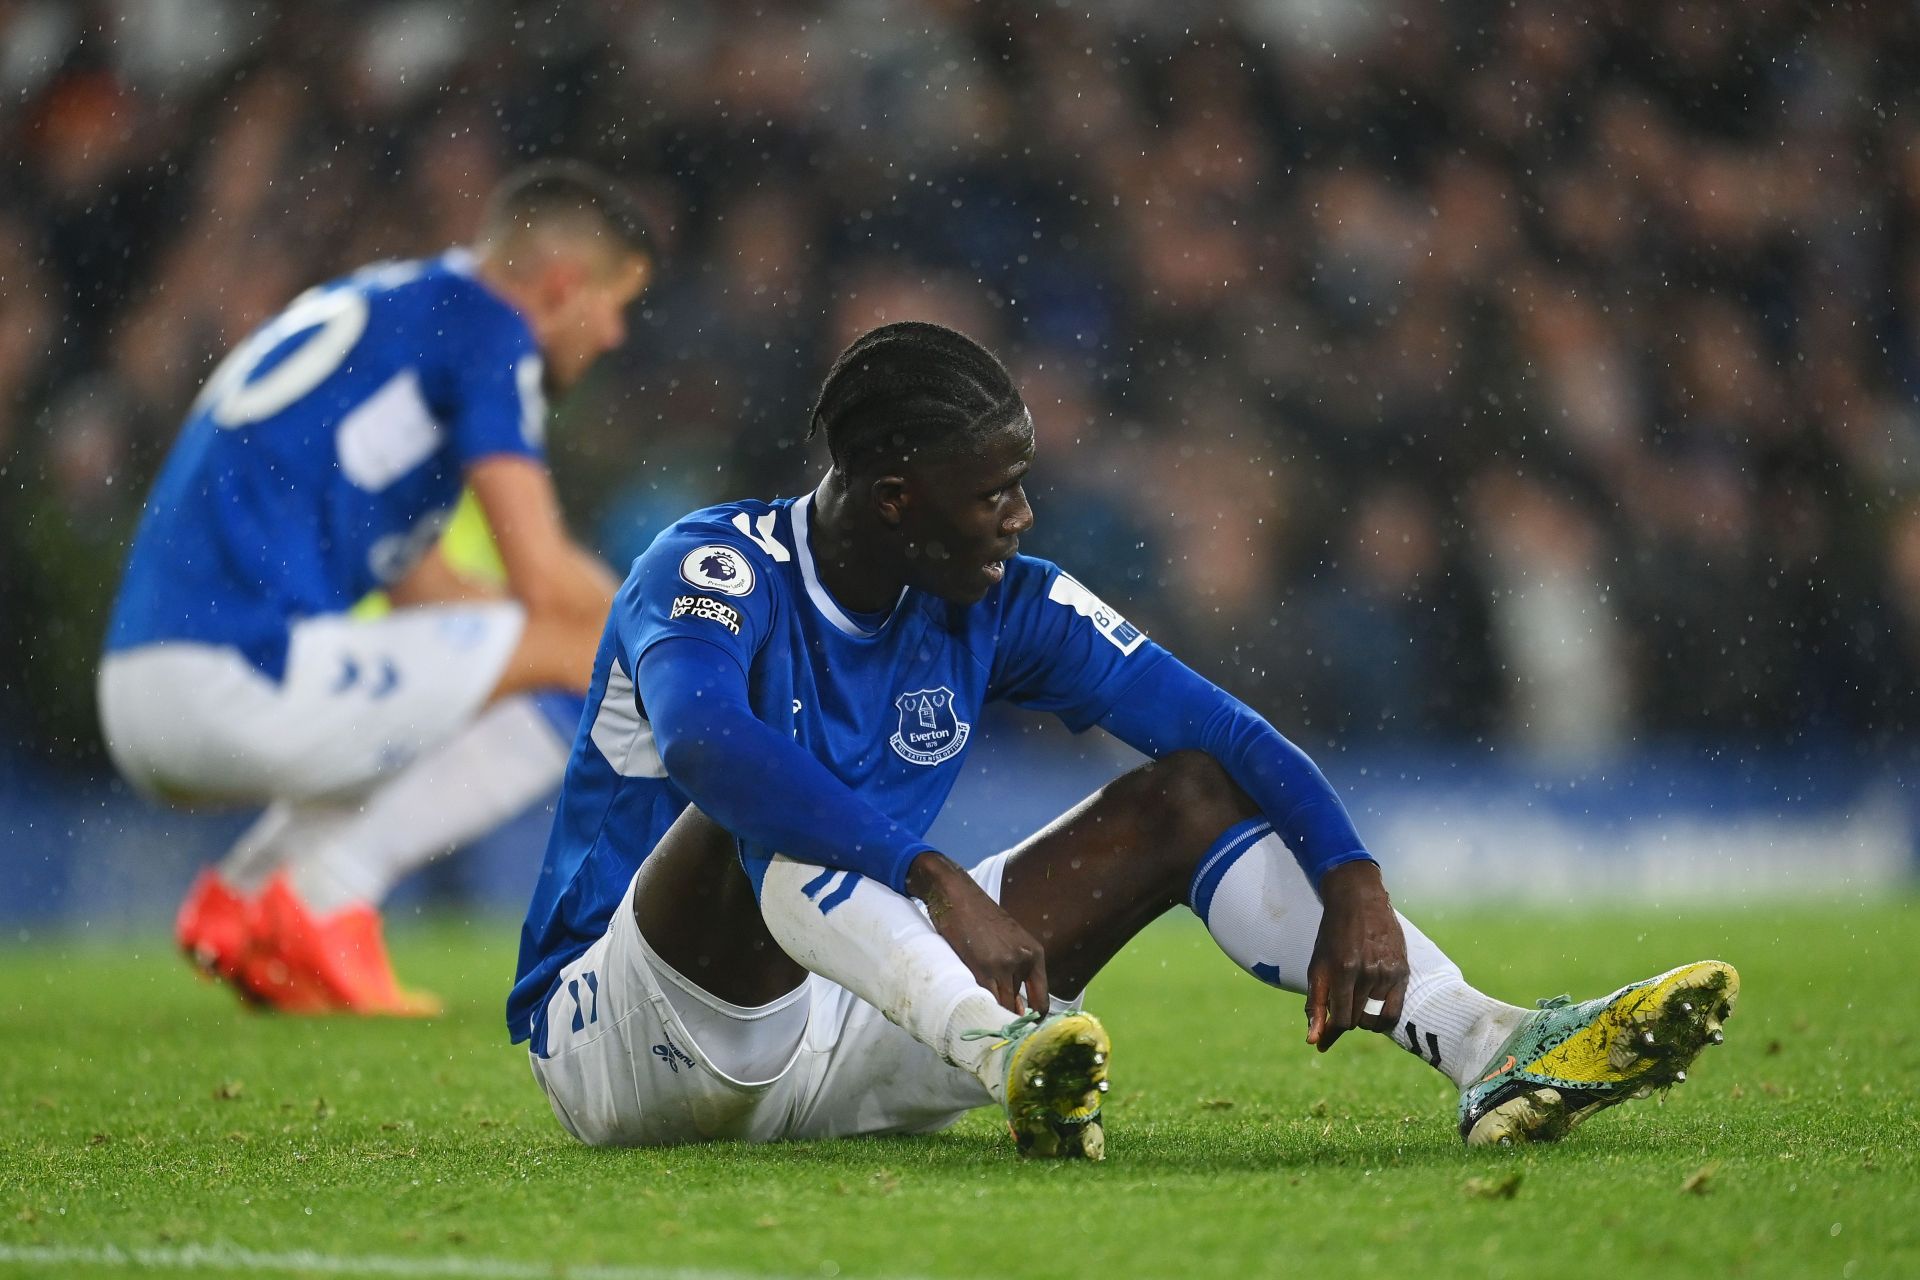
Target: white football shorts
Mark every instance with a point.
(361, 697)
(633, 1055)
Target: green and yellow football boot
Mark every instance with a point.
(1056, 1073)
(1567, 1061)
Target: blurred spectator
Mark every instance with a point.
(1555, 631)
(1399, 632)
(1894, 679)
(1309, 300)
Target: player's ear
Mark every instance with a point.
(560, 279)
(892, 500)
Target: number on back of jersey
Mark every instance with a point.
(240, 394)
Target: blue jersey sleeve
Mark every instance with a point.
(703, 581)
(1173, 708)
(710, 741)
(494, 401)
(1061, 648)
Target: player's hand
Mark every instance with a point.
(1003, 956)
(1360, 955)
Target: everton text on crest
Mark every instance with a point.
(930, 731)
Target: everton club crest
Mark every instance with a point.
(931, 730)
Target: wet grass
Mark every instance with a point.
(142, 1110)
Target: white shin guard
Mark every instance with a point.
(880, 945)
(1260, 908)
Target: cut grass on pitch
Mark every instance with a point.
(144, 1111)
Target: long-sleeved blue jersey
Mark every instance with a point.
(808, 731)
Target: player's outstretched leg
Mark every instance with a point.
(1133, 844)
(1524, 1076)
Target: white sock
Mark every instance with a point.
(1258, 905)
(509, 757)
(277, 834)
(1451, 1025)
(880, 945)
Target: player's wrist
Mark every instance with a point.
(931, 876)
(1355, 877)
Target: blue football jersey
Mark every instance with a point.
(325, 454)
(889, 710)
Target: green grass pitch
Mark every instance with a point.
(147, 1125)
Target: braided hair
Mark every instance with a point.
(912, 391)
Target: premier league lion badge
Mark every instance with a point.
(931, 730)
(718, 568)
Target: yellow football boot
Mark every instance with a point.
(1056, 1073)
(1567, 1061)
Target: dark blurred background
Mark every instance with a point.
(1523, 382)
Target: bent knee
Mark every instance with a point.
(1193, 790)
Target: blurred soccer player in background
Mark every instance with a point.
(321, 463)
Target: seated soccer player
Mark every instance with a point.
(320, 464)
(740, 932)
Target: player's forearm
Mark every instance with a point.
(936, 880)
(547, 571)
(768, 792)
(1172, 708)
(570, 582)
(589, 584)
(755, 781)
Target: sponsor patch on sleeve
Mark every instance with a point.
(708, 608)
(1120, 633)
(718, 567)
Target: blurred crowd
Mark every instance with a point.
(1521, 373)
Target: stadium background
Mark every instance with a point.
(1514, 401)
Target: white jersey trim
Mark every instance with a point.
(623, 735)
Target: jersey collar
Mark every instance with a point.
(822, 599)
